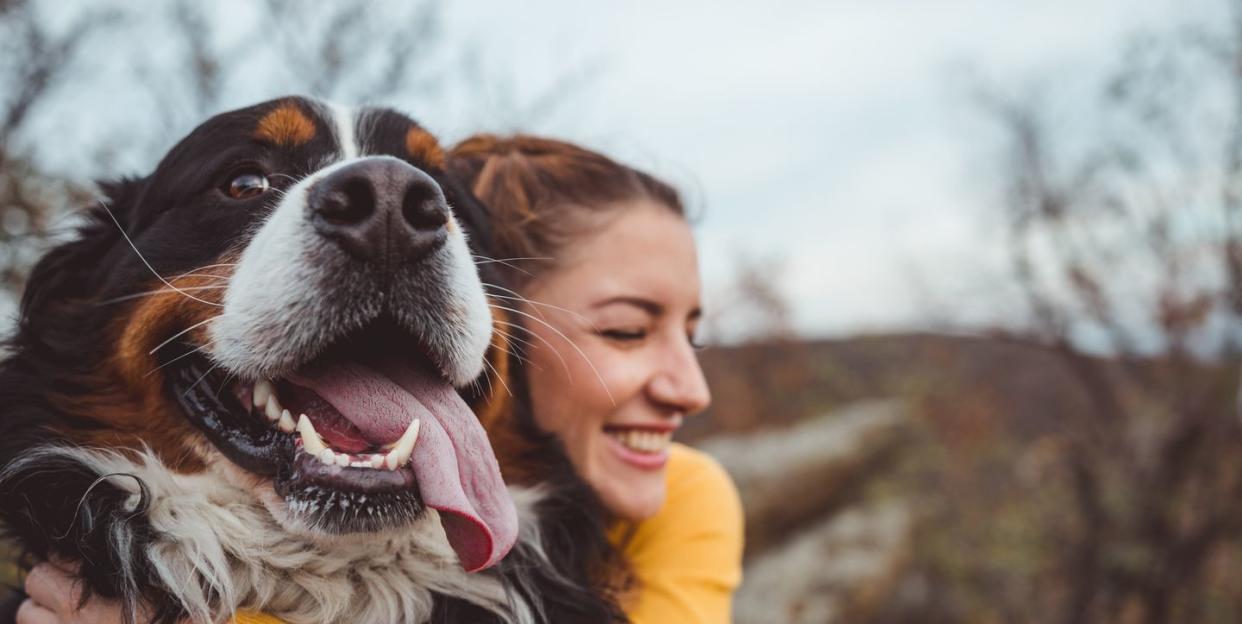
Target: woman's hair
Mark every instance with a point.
(541, 194)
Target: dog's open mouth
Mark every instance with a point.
(361, 438)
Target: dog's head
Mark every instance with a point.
(288, 301)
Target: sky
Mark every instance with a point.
(835, 140)
(838, 138)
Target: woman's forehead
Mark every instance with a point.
(646, 252)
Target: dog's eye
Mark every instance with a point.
(247, 184)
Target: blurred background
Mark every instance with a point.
(973, 269)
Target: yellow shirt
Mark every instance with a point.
(687, 559)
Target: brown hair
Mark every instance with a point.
(542, 193)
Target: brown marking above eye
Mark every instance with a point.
(285, 125)
(424, 148)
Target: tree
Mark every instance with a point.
(1124, 235)
(176, 63)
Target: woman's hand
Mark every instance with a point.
(55, 594)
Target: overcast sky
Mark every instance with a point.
(835, 135)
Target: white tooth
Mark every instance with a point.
(342, 459)
(327, 456)
(273, 409)
(262, 392)
(390, 460)
(286, 422)
(311, 442)
(377, 461)
(405, 446)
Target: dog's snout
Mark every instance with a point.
(380, 210)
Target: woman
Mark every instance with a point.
(615, 274)
(601, 305)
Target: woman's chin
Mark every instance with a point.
(629, 492)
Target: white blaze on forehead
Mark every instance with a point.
(343, 121)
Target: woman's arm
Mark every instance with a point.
(56, 598)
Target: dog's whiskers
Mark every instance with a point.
(144, 260)
(195, 271)
(555, 352)
(172, 361)
(488, 380)
(182, 333)
(486, 260)
(566, 339)
(498, 377)
(200, 379)
(151, 293)
(547, 305)
(516, 351)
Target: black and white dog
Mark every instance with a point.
(247, 384)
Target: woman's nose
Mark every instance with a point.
(680, 383)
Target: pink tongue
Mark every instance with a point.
(456, 470)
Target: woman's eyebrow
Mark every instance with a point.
(646, 305)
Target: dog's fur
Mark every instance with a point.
(102, 465)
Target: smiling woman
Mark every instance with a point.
(606, 283)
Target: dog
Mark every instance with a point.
(250, 382)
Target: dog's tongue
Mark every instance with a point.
(456, 470)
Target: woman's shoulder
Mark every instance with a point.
(687, 558)
(695, 478)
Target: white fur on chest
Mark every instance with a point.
(219, 549)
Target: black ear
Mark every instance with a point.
(69, 271)
(472, 215)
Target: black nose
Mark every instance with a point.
(380, 210)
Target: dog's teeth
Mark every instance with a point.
(390, 460)
(342, 460)
(311, 442)
(262, 392)
(286, 423)
(273, 409)
(377, 461)
(405, 446)
(327, 456)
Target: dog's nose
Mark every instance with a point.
(380, 210)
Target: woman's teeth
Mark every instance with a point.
(641, 440)
(397, 455)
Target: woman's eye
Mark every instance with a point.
(247, 184)
(694, 342)
(624, 335)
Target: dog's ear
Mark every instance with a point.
(472, 215)
(122, 196)
(69, 270)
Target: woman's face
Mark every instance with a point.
(628, 298)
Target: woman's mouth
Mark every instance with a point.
(642, 447)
